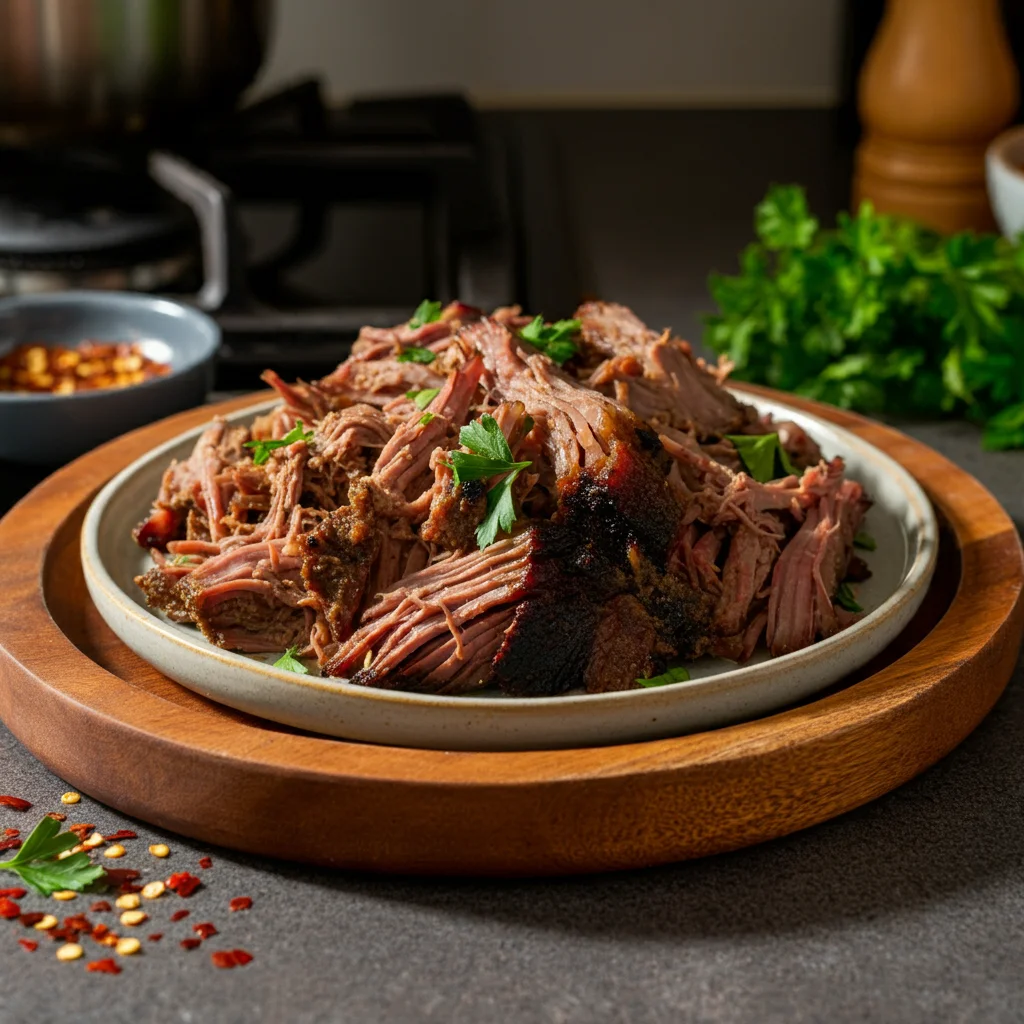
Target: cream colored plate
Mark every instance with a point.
(718, 693)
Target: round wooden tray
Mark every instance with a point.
(115, 728)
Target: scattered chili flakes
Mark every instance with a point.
(12, 832)
(15, 803)
(9, 910)
(127, 887)
(204, 930)
(230, 958)
(106, 966)
(118, 876)
(82, 830)
(13, 894)
(124, 833)
(56, 815)
(180, 915)
(240, 903)
(99, 931)
(183, 883)
(28, 945)
(205, 863)
(190, 943)
(78, 922)
(9, 844)
(100, 906)
(155, 937)
(31, 920)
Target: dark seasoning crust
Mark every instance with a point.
(639, 539)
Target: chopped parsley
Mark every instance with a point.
(421, 399)
(865, 540)
(290, 663)
(415, 354)
(427, 312)
(489, 455)
(845, 598)
(426, 418)
(181, 560)
(261, 449)
(37, 865)
(554, 340)
(760, 454)
(673, 675)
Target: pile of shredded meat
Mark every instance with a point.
(638, 540)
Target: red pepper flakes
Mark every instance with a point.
(63, 934)
(118, 876)
(82, 830)
(231, 958)
(9, 910)
(190, 943)
(107, 966)
(15, 803)
(124, 833)
(240, 903)
(204, 930)
(78, 923)
(183, 883)
(12, 832)
(28, 945)
(13, 894)
(205, 863)
(180, 915)
(56, 815)
(9, 844)
(155, 937)
(28, 920)
(100, 906)
(126, 887)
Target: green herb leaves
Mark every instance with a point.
(865, 541)
(262, 449)
(415, 354)
(878, 314)
(427, 312)
(289, 661)
(489, 455)
(426, 418)
(845, 598)
(761, 453)
(673, 675)
(554, 340)
(421, 399)
(37, 865)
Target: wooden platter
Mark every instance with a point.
(113, 727)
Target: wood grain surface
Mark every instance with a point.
(118, 730)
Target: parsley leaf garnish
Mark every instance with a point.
(554, 340)
(290, 663)
(845, 598)
(865, 540)
(262, 449)
(421, 399)
(427, 312)
(426, 418)
(415, 354)
(673, 675)
(489, 455)
(37, 865)
(760, 453)
(181, 560)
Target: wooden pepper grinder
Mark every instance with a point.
(938, 85)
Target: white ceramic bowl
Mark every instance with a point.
(719, 691)
(1004, 171)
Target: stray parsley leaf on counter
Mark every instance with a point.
(489, 455)
(427, 312)
(865, 540)
(262, 449)
(845, 598)
(878, 314)
(421, 399)
(673, 675)
(760, 454)
(415, 354)
(289, 661)
(554, 340)
(37, 865)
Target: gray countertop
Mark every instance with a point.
(909, 909)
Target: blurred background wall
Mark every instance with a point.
(562, 53)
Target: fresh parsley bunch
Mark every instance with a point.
(37, 865)
(878, 314)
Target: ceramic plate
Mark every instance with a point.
(719, 692)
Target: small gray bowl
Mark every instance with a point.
(46, 429)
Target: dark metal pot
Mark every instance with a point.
(88, 66)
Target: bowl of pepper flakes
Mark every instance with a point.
(79, 368)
